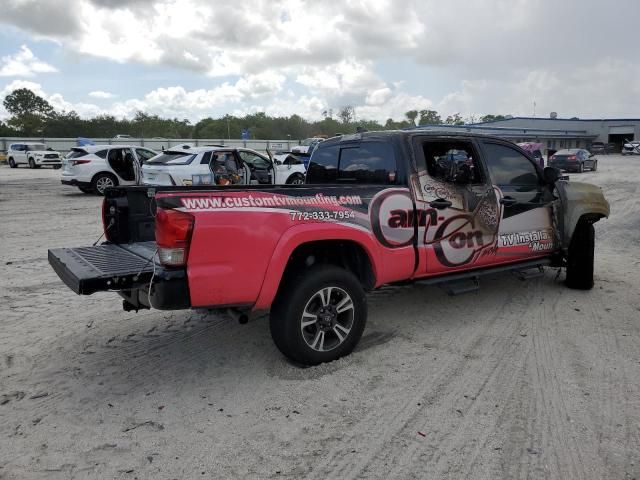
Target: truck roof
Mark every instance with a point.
(386, 134)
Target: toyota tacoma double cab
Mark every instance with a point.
(377, 208)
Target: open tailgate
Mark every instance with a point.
(87, 270)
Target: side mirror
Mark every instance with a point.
(550, 175)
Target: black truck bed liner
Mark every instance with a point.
(109, 266)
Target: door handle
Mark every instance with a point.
(440, 203)
(508, 201)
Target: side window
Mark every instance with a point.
(509, 167)
(101, 154)
(323, 165)
(369, 162)
(206, 158)
(452, 162)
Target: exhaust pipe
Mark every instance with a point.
(241, 317)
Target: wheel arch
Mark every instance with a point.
(579, 202)
(298, 250)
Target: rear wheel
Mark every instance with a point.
(102, 181)
(319, 315)
(57, 167)
(581, 256)
(595, 166)
(295, 179)
(581, 167)
(12, 163)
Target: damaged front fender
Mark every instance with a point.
(577, 201)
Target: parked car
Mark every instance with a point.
(185, 165)
(574, 160)
(631, 148)
(35, 155)
(598, 147)
(93, 168)
(375, 209)
(306, 146)
(535, 149)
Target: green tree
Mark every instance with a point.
(492, 118)
(454, 119)
(29, 111)
(429, 117)
(411, 116)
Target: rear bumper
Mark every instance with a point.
(169, 291)
(75, 183)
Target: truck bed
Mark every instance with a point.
(109, 266)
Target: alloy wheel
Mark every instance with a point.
(327, 319)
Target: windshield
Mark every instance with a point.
(172, 158)
(308, 141)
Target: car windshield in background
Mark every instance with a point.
(172, 158)
(36, 146)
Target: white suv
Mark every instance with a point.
(186, 165)
(35, 155)
(93, 168)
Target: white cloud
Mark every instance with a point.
(101, 94)
(497, 56)
(24, 64)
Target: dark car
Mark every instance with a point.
(598, 147)
(574, 160)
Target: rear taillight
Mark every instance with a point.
(553, 157)
(79, 162)
(571, 157)
(173, 235)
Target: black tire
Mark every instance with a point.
(581, 167)
(32, 163)
(307, 292)
(580, 257)
(595, 166)
(12, 163)
(86, 189)
(295, 179)
(102, 181)
(57, 167)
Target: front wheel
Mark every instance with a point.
(295, 179)
(595, 166)
(580, 258)
(319, 315)
(32, 163)
(581, 167)
(86, 189)
(102, 181)
(57, 167)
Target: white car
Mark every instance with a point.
(306, 146)
(35, 155)
(220, 165)
(93, 168)
(631, 148)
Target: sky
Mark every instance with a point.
(203, 58)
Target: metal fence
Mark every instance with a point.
(63, 145)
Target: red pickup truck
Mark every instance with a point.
(377, 208)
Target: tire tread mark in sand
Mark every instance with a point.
(493, 370)
(383, 425)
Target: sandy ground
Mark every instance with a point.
(518, 380)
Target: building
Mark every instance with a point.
(558, 133)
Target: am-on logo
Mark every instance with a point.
(453, 235)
